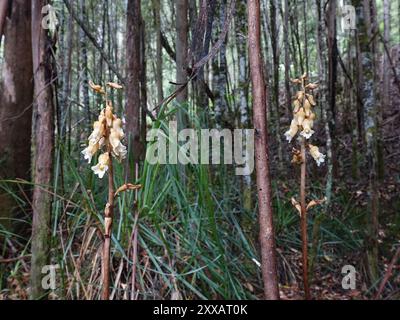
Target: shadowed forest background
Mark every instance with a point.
(199, 231)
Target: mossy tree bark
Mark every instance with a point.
(368, 96)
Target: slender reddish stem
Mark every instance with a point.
(304, 218)
(109, 213)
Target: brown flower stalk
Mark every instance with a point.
(303, 217)
(108, 221)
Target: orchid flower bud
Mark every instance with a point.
(102, 166)
(117, 126)
(300, 95)
(307, 108)
(300, 116)
(90, 151)
(98, 132)
(318, 156)
(307, 128)
(119, 150)
(290, 134)
(310, 98)
(297, 105)
(109, 115)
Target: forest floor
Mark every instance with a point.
(341, 242)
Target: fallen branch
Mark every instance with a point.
(10, 260)
(388, 274)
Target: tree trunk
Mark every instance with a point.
(241, 29)
(143, 88)
(267, 240)
(305, 36)
(182, 29)
(157, 26)
(368, 96)
(287, 60)
(133, 82)
(16, 94)
(201, 39)
(221, 104)
(44, 148)
(328, 114)
(84, 65)
(323, 88)
(275, 57)
(385, 74)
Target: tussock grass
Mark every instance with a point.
(195, 240)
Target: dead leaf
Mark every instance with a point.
(126, 187)
(314, 203)
(114, 85)
(296, 204)
(312, 86)
(97, 88)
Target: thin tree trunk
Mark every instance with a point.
(332, 73)
(181, 47)
(44, 148)
(201, 39)
(133, 82)
(386, 75)
(84, 61)
(267, 237)
(322, 76)
(287, 59)
(305, 36)
(328, 114)
(275, 57)
(368, 94)
(241, 26)
(64, 107)
(157, 26)
(143, 88)
(221, 105)
(296, 39)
